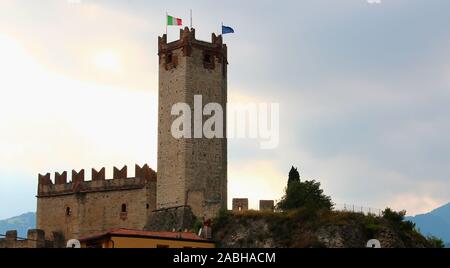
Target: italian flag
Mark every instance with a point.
(172, 21)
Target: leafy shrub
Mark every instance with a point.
(222, 219)
(300, 194)
(435, 242)
(398, 219)
(393, 216)
(372, 225)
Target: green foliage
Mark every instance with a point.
(197, 226)
(222, 219)
(398, 219)
(435, 242)
(409, 225)
(372, 225)
(393, 216)
(294, 176)
(286, 226)
(304, 194)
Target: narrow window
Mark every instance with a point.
(148, 206)
(207, 58)
(169, 58)
(68, 211)
(124, 208)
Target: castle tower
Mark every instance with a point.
(192, 172)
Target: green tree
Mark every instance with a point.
(307, 194)
(393, 216)
(294, 176)
(398, 219)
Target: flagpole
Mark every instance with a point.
(191, 18)
(166, 22)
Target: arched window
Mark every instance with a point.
(124, 208)
(68, 211)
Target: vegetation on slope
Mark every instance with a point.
(305, 218)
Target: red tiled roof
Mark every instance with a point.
(147, 234)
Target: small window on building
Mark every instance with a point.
(68, 211)
(147, 206)
(124, 208)
(207, 58)
(169, 58)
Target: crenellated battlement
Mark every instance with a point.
(98, 183)
(215, 49)
(35, 239)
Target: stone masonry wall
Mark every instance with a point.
(240, 204)
(34, 239)
(171, 186)
(82, 208)
(192, 172)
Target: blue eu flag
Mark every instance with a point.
(227, 30)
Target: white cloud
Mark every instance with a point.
(49, 121)
(66, 38)
(416, 203)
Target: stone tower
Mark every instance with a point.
(192, 172)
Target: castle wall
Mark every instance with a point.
(35, 239)
(266, 205)
(82, 208)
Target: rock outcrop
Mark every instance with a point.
(309, 229)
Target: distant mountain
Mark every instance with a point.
(20, 223)
(436, 222)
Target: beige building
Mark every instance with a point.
(124, 238)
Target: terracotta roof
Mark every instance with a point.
(147, 234)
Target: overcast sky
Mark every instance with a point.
(364, 93)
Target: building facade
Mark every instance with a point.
(124, 238)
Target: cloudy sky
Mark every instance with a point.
(364, 93)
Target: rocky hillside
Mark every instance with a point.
(304, 229)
